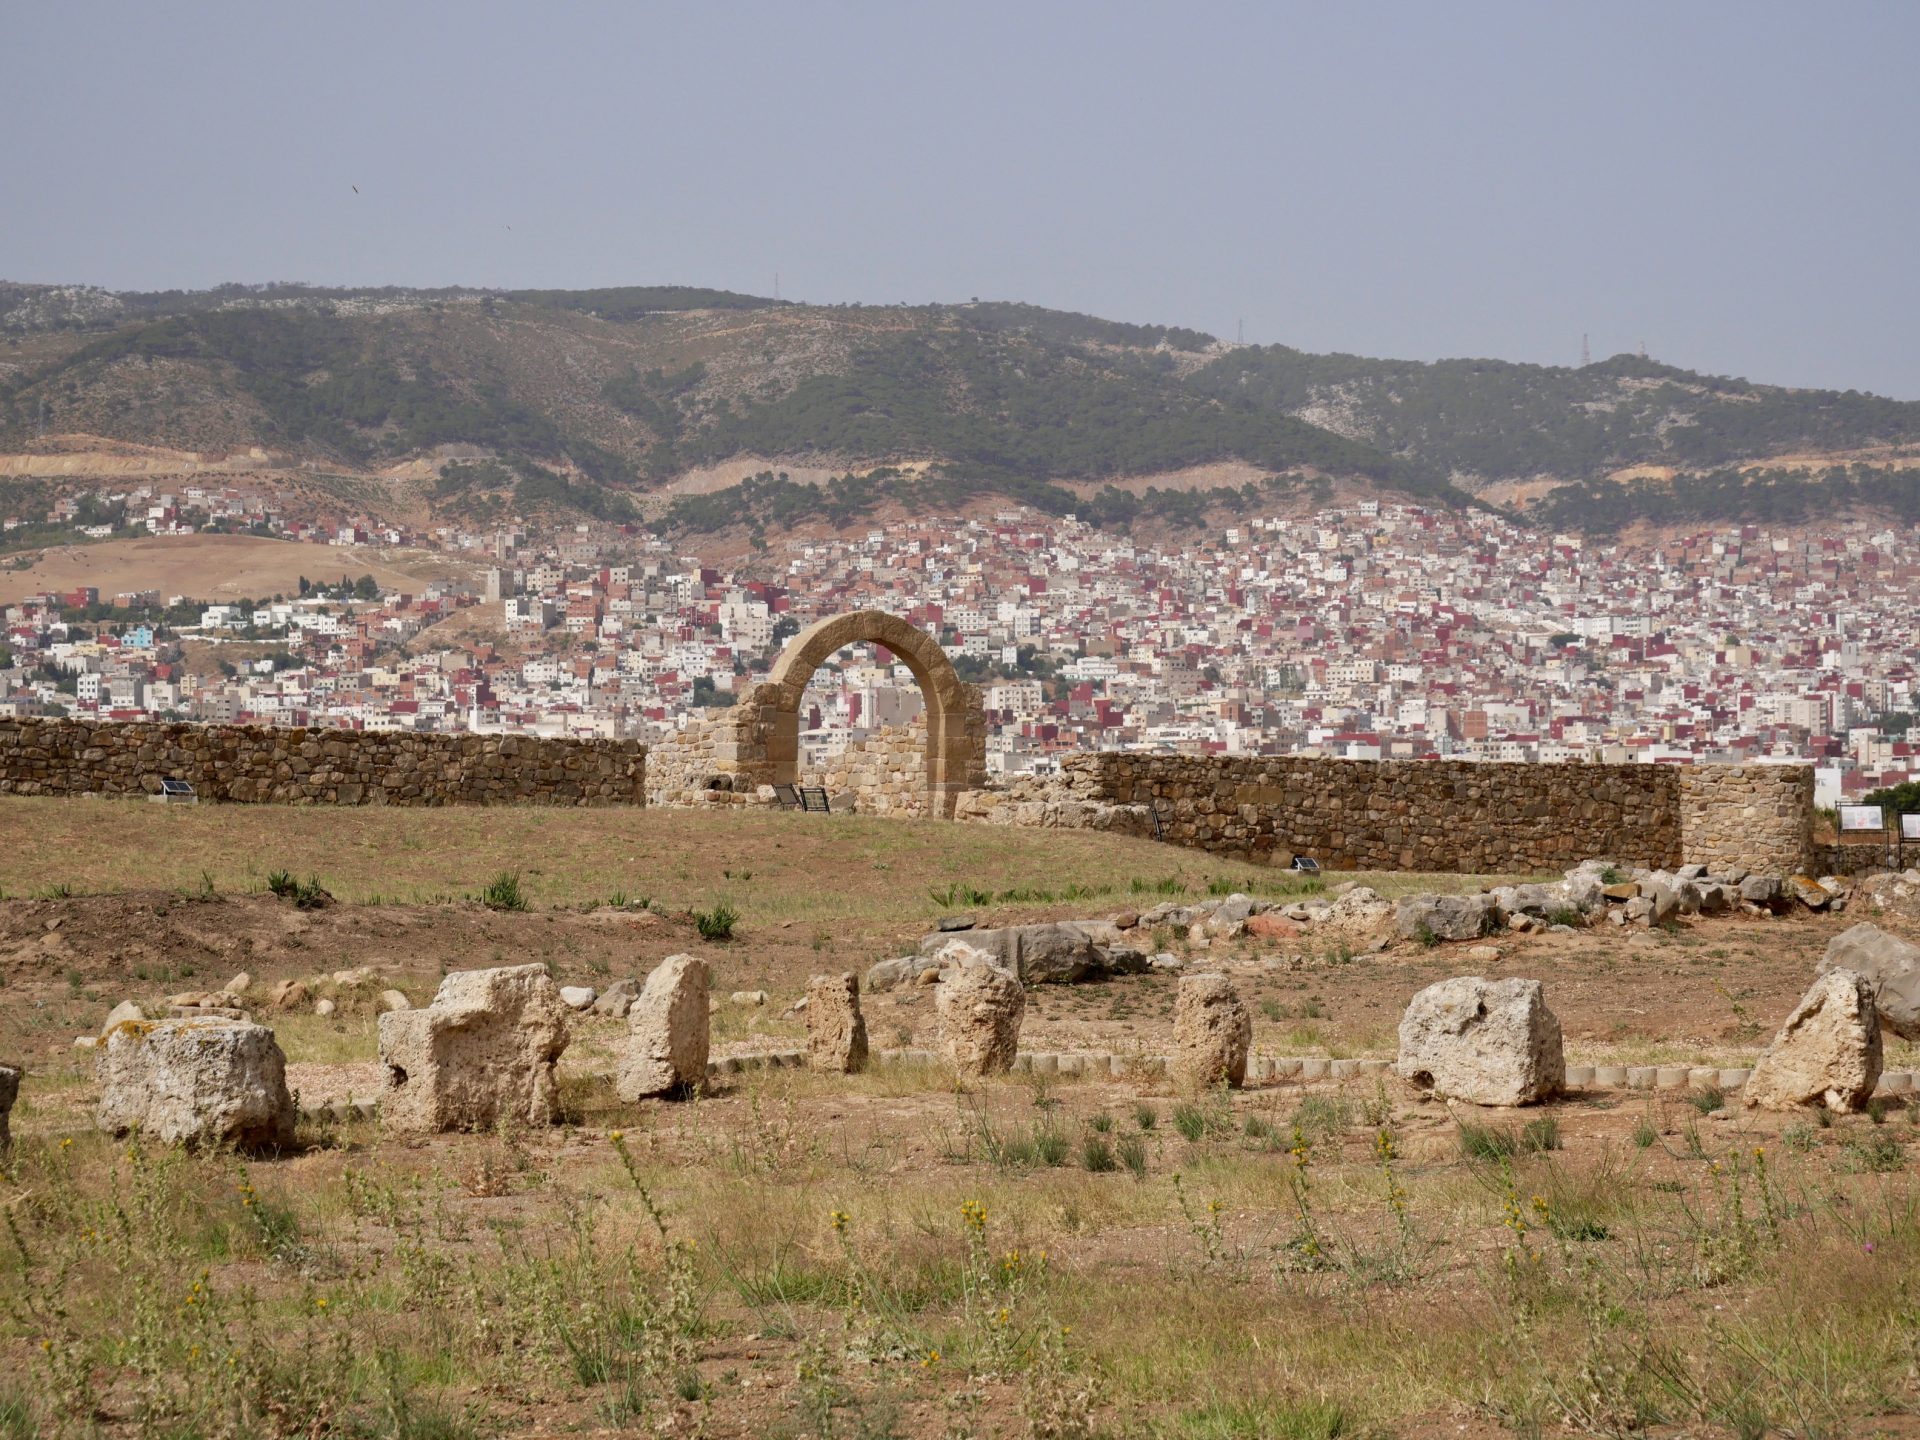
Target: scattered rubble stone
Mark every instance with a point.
(1890, 965)
(617, 999)
(980, 1007)
(200, 1082)
(1490, 1042)
(1827, 1053)
(668, 1032)
(836, 1030)
(484, 1051)
(1444, 917)
(1212, 1034)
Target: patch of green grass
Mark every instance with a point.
(717, 923)
(1190, 1121)
(1096, 1153)
(1265, 1420)
(1876, 1153)
(503, 892)
(1706, 1099)
(1490, 1143)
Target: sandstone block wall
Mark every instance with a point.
(1760, 816)
(266, 765)
(885, 772)
(1454, 815)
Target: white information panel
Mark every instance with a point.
(1862, 817)
(1910, 827)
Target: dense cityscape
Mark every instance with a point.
(1373, 630)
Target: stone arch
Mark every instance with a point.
(769, 727)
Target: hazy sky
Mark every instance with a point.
(1733, 184)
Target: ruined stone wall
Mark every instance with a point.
(682, 767)
(1760, 816)
(1450, 815)
(266, 765)
(885, 772)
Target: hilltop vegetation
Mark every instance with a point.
(587, 398)
(1490, 420)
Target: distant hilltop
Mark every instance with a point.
(708, 408)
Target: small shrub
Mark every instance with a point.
(1190, 1120)
(1646, 1132)
(1540, 1135)
(1097, 1155)
(1145, 1116)
(503, 892)
(1132, 1150)
(1100, 1124)
(1566, 915)
(1707, 1099)
(1322, 1115)
(281, 883)
(1875, 1152)
(1491, 1143)
(1425, 934)
(717, 923)
(310, 894)
(1049, 1146)
(1613, 875)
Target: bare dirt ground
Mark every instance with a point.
(894, 1254)
(245, 565)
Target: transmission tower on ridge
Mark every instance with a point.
(1586, 355)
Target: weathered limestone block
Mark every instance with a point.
(836, 1030)
(483, 1052)
(196, 1082)
(1891, 966)
(1828, 1052)
(1444, 917)
(980, 1007)
(1490, 1042)
(667, 1032)
(1212, 1034)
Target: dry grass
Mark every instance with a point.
(849, 1258)
(772, 866)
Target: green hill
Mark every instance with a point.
(1487, 420)
(587, 398)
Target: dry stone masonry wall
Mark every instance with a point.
(1759, 816)
(264, 765)
(1446, 815)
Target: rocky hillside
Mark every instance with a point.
(587, 399)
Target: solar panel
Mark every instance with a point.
(814, 797)
(176, 787)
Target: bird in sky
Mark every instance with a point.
(356, 189)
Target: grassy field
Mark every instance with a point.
(898, 1254)
(770, 866)
(892, 1256)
